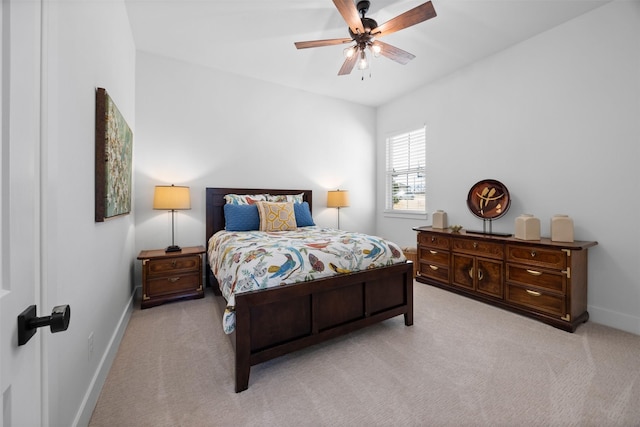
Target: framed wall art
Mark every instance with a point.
(114, 152)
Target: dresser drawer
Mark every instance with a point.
(434, 256)
(531, 255)
(172, 284)
(435, 272)
(173, 265)
(434, 240)
(479, 247)
(552, 280)
(537, 300)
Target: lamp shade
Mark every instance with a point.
(171, 197)
(337, 199)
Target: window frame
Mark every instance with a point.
(389, 211)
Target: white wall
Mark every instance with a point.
(204, 128)
(87, 265)
(555, 119)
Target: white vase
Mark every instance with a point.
(561, 228)
(439, 219)
(527, 227)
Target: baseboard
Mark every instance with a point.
(615, 319)
(93, 392)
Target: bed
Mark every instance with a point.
(275, 321)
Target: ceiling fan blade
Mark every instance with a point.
(349, 12)
(394, 53)
(411, 17)
(320, 43)
(348, 65)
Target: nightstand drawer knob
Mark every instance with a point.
(173, 279)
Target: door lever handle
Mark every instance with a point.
(28, 322)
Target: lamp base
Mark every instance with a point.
(173, 248)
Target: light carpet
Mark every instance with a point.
(462, 363)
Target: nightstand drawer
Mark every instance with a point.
(530, 255)
(173, 284)
(173, 265)
(554, 281)
(536, 299)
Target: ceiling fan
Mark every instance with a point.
(365, 32)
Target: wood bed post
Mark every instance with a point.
(408, 316)
(243, 346)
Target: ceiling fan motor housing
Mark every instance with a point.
(369, 25)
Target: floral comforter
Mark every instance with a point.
(250, 260)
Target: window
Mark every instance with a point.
(406, 158)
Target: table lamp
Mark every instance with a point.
(171, 198)
(338, 199)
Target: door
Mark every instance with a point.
(20, 260)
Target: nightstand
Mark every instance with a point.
(168, 276)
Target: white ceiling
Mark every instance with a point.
(254, 38)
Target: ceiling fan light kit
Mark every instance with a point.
(365, 31)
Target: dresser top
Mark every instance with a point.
(545, 241)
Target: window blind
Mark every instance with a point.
(406, 158)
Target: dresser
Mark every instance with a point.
(541, 279)
(168, 276)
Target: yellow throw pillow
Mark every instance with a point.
(276, 216)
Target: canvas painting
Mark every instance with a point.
(114, 152)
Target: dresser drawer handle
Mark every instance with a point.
(433, 252)
(433, 267)
(534, 272)
(433, 239)
(533, 293)
(173, 263)
(533, 254)
(475, 245)
(173, 279)
(480, 273)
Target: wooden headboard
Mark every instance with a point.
(214, 203)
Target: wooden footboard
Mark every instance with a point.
(277, 321)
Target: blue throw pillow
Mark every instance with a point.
(303, 214)
(241, 217)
